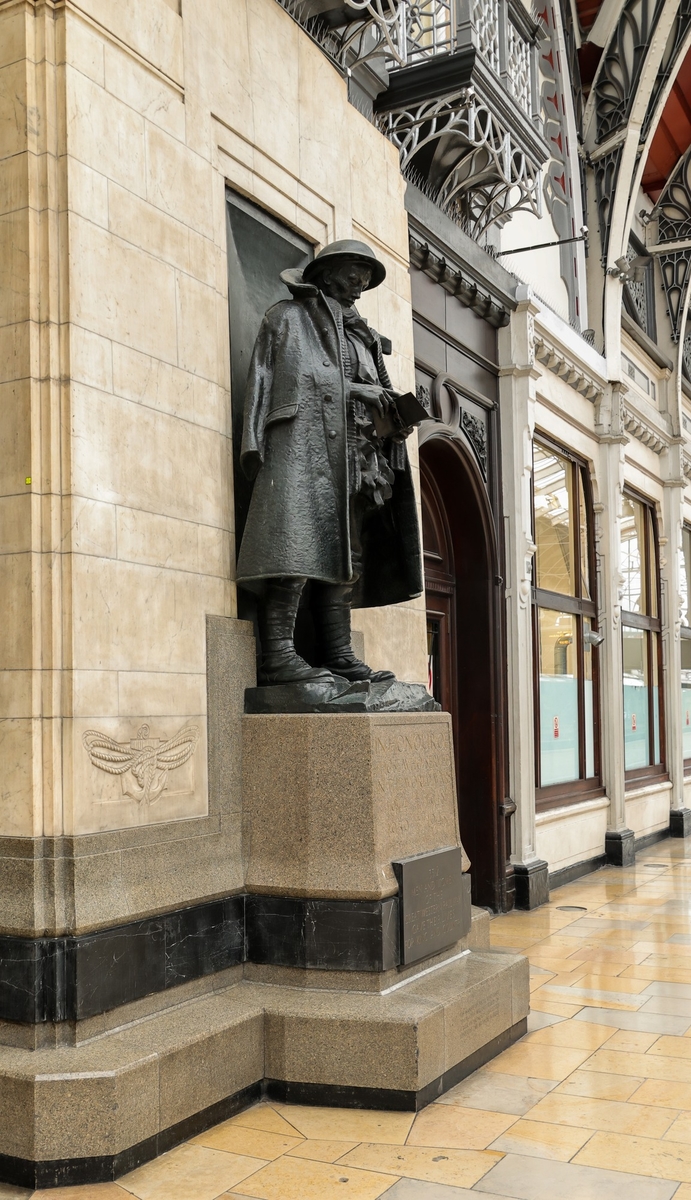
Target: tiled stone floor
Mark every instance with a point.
(594, 1103)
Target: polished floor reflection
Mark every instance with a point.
(594, 1102)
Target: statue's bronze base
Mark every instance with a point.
(337, 695)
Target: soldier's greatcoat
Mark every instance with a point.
(295, 446)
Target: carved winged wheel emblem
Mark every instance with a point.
(148, 759)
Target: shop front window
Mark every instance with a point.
(565, 630)
(638, 565)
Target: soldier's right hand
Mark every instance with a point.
(370, 393)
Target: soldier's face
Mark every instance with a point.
(347, 281)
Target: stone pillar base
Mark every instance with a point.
(531, 882)
(620, 847)
(680, 822)
(94, 1112)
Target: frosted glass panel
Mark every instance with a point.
(636, 723)
(558, 698)
(686, 718)
(589, 731)
(656, 701)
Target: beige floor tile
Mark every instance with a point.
(320, 1150)
(599, 1086)
(600, 982)
(650, 1066)
(680, 1130)
(559, 966)
(683, 1192)
(350, 1124)
(189, 1173)
(253, 1142)
(537, 981)
(664, 1093)
(625, 958)
(542, 1004)
(563, 979)
(629, 1039)
(297, 1179)
(542, 1062)
(609, 1116)
(638, 1156)
(460, 1168)
(461, 1128)
(609, 969)
(674, 1047)
(89, 1191)
(541, 1140)
(589, 999)
(575, 1035)
(659, 974)
(264, 1116)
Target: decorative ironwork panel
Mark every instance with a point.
(686, 356)
(424, 29)
(617, 79)
(477, 172)
(518, 66)
(639, 297)
(673, 212)
(558, 188)
(485, 17)
(673, 209)
(606, 172)
(675, 275)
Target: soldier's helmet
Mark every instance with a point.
(333, 254)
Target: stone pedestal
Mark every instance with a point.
(331, 802)
(347, 972)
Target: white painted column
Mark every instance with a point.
(620, 840)
(517, 378)
(670, 576)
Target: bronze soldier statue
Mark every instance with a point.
(333, 498)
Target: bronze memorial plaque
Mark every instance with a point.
(434, 902)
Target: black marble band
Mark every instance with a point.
(72, 978)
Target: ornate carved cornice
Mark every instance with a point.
(457, 284)
(634, 424)
(557, 360)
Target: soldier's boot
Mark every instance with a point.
(332, 619)
(280, 662)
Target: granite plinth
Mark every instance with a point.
(331, 802)
(338, 695)
(91, 1113)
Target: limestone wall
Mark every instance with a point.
(120, 126)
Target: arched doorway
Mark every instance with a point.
(465, 643)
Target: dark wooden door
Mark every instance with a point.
(464, 645)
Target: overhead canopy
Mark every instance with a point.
(673, 135)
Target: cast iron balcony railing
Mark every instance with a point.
(454, 85)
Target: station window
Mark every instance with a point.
(565, 630)
(686, 647)
(640, 619)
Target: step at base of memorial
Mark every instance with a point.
(94, 1111)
